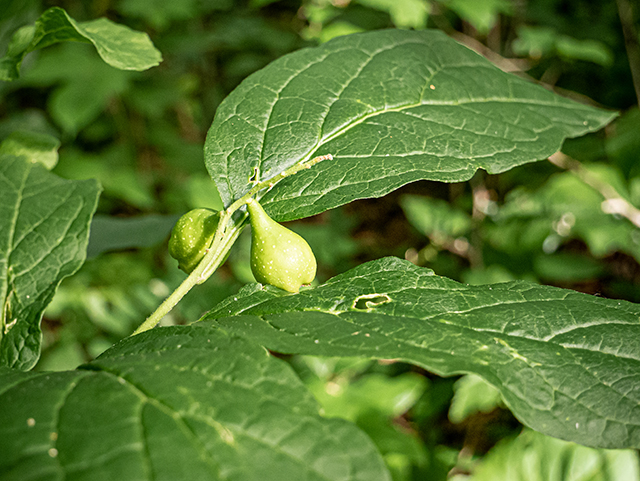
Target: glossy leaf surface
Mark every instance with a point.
(391, 107)
(176, 403)
(565, 363)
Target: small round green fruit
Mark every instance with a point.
(191, 237)
(279, 256)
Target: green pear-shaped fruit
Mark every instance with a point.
(191, 237)
(279, 256)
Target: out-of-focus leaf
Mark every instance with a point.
(565, 208)
(374, 401)
(62, 357)
(331, 240)
(435, 217)
(114, 168)
(391, 396)
(534, 41)
(472, 394)
(566, 267)
(623, 147)
(115, 233)
(34, 146)
(403, 451)
(16, 10)
(481, 14)
(403, 13)
(533, 456)
(159, 13)
(84, 84)
(537, 42)
(338, 28)
(588, 50)
(29, 120)
(118, 45)
(203, 193)
(488, 275)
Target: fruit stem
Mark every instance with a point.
(210, 262)
(224, 238)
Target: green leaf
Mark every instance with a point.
(113, 167)
(566, 208)
(159, 13)
(543, 41)
(472, 395)
(116, 233)
(37, 147)
(119, 46)
(44, 227)
(390, 396)
(532, 456)
(403, 13)
(391, 107)
(482, 15)
(176, 403)
(566, 267)
(588, 50)
(84, 84)
(566, 363)
(435, 217)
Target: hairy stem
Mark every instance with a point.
(210, 263)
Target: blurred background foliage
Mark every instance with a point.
(573, 222)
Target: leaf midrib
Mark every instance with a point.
(401, 109)
(502, 386)
(179, 418)
(4, 286)
(497, 303)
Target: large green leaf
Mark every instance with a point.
(567, 364)
(391, 107)
(44, 229)
(118, 45)
(176, 403)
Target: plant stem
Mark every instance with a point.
(614, 203)
(210, 262)
(625, 11)
(223, 239)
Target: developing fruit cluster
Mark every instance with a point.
(279, 256)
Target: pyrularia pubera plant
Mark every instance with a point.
(192, 236)
(208, 399)
(279, 256)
